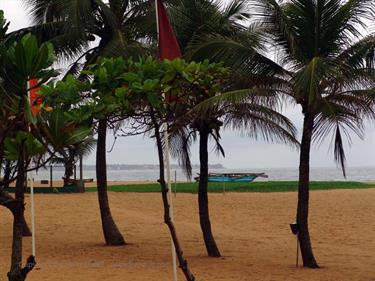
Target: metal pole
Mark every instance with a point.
(31, 195)
(32, 214)
(168, 166)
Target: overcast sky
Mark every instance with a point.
(241, 152)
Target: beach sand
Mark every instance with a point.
(251, 229)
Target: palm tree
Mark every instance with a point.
(192, 20)
(200, 26)
(254, 117)
(325, 55)
(71, 154)
(327, 68)
(72, 26)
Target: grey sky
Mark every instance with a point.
(241, 152)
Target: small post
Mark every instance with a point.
(75, 172)
(50, 176)
(175, 183)
(297, 250)
(294, 227)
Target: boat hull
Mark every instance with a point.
(231, 179)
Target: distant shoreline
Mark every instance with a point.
(93, 183)
(191, 187)
(138, 167)
(151, 172)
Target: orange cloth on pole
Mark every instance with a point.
(35, 99)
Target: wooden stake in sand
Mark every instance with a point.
(297, 251)
(294, 227)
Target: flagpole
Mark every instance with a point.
(171, 213)
(168, 166)
(32, 214)
(32, 206)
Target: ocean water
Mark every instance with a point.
(275, 174)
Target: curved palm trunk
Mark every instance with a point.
(303, 193)
(112, 235)
(204, 215)
(167, 218)
(69, 168)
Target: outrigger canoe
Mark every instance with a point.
(233, 177)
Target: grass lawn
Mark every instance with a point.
(269, 186)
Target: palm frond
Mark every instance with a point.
(218, 147)
(260, 122)
(181, 139)
(237, 10)
(339, 151)
(85, 147)
(260, 96)
(359, 55)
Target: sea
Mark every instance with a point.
(362, 174)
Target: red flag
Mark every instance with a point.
(34, 97)
(168, 46)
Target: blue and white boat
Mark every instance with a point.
(233, 177)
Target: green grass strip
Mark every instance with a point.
(269, 186)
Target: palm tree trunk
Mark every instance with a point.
(167, 219)
(112, 235)
(303, 193)
(69, 167)
(204, 215)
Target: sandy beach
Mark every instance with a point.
(252, 231)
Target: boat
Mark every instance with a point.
(233, 177)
